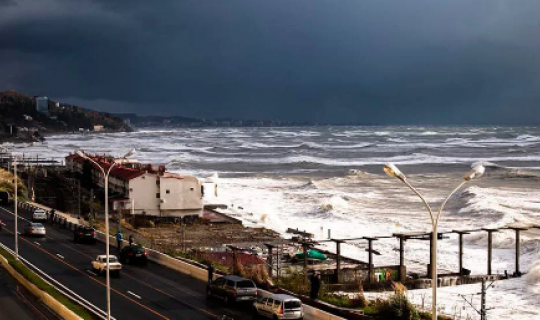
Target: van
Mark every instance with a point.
(278, 306)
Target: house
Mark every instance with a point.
(144, 189)
(98, 127)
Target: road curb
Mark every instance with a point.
(53, 304)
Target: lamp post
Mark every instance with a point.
(392, 171)
(106, 187)
(16, 210)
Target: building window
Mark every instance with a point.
(191, 189)
(157, 195)
(157, 182)
(168, 191)
(130, 189)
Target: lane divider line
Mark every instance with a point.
(91, 272)
(136, 296)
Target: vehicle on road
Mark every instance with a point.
(278, 306)
(232, 288)
(2, 224)
(84, 234)
(39, 215)
(34, 229)
(99, 265)
(133, 254)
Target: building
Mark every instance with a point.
(98, 127)
(42, 105)
(145, 189)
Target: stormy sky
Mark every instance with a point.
(383, 61)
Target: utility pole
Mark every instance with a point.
(79, 211)
(92, 202)
(483, 309)
(483, 301)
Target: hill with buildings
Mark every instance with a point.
(179, 121)
(26, 118)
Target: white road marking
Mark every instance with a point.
(91, 272)
(61, 256)
(136, 296)
(37, 243)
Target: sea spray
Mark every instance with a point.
(533, 277)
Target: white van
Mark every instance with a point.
(278, 306)
(39, 215)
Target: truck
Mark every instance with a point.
(99, 265)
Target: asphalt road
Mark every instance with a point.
(17, 304)
(149, 292)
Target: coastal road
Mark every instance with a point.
(17, 304)
(149, 292)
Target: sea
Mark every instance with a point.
(329, 181)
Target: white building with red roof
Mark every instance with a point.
(152, 191)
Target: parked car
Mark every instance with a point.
(278, 306)
(232, 289)
(39, 215)
(99, 265)
(84, 234)
(34, 229)
(133, 254)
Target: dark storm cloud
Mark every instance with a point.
(368, 61)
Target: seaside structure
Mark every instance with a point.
(42, 105)
(145, 189)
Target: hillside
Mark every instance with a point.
(20, 120)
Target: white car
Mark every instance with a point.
(39, 215)
(100, 264)
(34, 229)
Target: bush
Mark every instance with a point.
(397, 307)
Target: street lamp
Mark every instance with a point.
(106, 187)
(16, 210)
(476, 172)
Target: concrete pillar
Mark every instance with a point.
(402, 259)
(370, 249)
(490, 243)
(461, 254)
(517, 273)
(338, 261)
